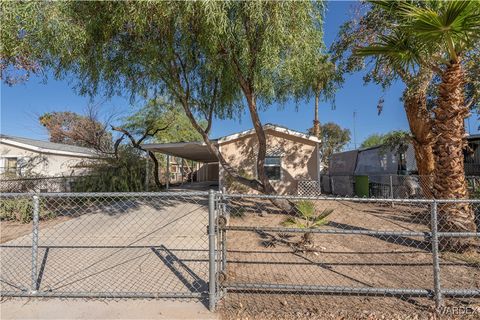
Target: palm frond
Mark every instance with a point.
(452, 23)
(396, 49)
(269, 244)
(285, 236)
(319, 223)
(325, 213)
(290, 221)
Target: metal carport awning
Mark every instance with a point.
(196, 151)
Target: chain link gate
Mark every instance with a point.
(109, 245)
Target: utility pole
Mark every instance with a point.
(354, 129)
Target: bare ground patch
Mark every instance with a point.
(358, 261)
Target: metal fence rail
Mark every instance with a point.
(257, 249)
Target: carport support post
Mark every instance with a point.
(211, 251)
(35, 243)
(167, 185)
(391, 189)
(146, 174)
(436, 259)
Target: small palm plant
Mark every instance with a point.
(308, 218)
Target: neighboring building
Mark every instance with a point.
(386, 169)
(377, 163)
(292, 160)
(472, 156)
(22, 156)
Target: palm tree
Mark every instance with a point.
(324, 81)
(437, 35)
(308, 218)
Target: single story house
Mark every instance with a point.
(292, 162)
(23, 156)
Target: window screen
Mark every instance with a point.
(273, 168)
(9, 166)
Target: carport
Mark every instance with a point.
(189, 151)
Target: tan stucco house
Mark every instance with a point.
(23, 156)
(292, 162)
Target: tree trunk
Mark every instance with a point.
(449, 180)
(213, 148)
(316, 122)
(420, 122)
(155, 169)
(262, 152)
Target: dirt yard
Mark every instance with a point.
(359, 261)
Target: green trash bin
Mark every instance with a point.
(361, 186)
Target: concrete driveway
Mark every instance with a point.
(81, 309)
(152, 247)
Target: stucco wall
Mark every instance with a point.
(207, 172)
(298, 159)
(46, 164)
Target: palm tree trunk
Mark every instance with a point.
(449, 180)
(420, 122)
(316, 122)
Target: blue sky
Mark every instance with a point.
(22, 104)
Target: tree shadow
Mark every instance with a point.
(424, 245)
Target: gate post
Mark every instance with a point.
(35, 244)
(436, 260)
(211, 251)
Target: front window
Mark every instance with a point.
(9, 166)
(273, 168)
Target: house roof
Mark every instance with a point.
(198, 151)
(48, 147)
(273, 127)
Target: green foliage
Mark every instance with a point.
(160, 114)
(396, 141)
(21, 210)
(125, 174)
(411, 40)
(172, 47)
(373, 140)
(308, 218)
(333, 138)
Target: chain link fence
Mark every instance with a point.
(250, 253)
(344, 251)
(386, 186)
(38, 184)
(83, 183)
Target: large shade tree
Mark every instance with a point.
(212, 58)
(439, 35)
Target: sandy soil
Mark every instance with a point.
(358, 261)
